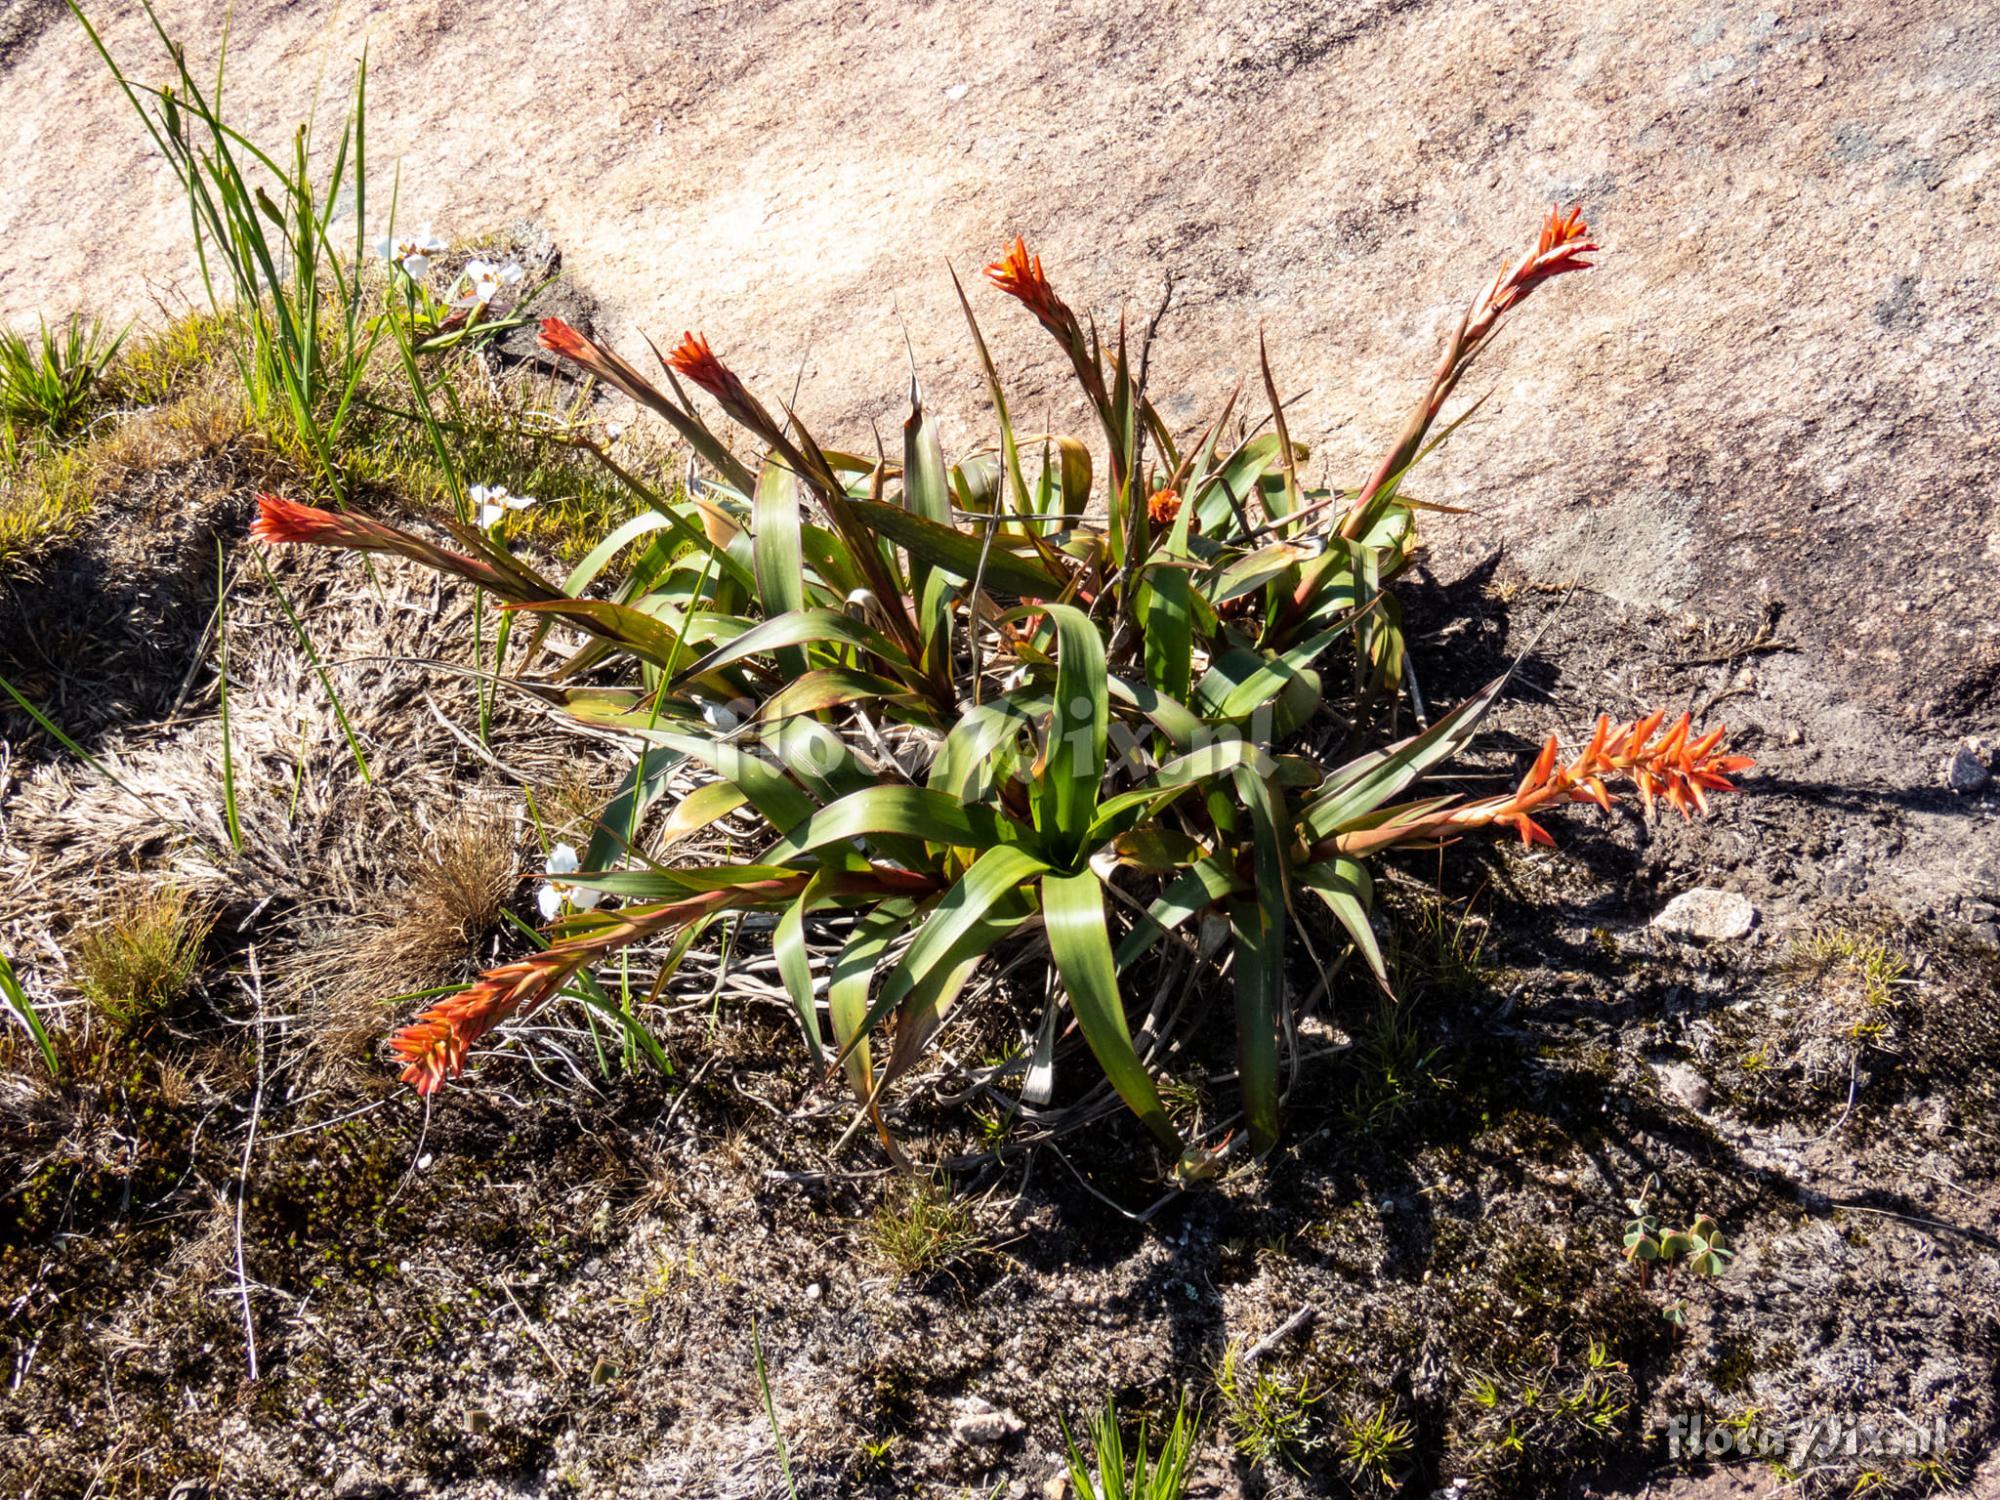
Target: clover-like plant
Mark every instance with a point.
(1020, 697)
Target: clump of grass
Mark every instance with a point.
(1440, 950)
(922, 1229)
(139, 959)
(1374, 1446)
(1161, 1476)
(45, 496)
(1854, 967)
(520, 435)
(1395, 1065)
(1268, 1418)
(47, 383)
(166, 363)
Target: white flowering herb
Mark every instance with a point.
(481, 281)
(411, 253)
(494, 501)
(556, 894)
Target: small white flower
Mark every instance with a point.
(557, 893)
(412, 252)
(494, 502)
(481, 280)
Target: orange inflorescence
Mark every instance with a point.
(694, 359)
(1677, 768)
(282, 520)
(558, 337)
(1164, 508)
(1019, 275)
(434, 1046)
(1564, 241)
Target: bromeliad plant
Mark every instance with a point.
(965, 708)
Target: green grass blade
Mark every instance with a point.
(222, 690)
(771, 1410)
(325, 681)
(24, 1011)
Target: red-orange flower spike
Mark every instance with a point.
(1019, 275)
(282, 520)
(1164, 508)
(434, 1046)
(1678, 770)
(558, 337)
(693, 358)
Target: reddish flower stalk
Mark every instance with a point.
(561, 340)
(433, 1047)
(1676, 768)
(1564, 241)
(282, 520)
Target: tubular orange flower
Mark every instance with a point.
(1676, 769)
(1564, 241)
(434, 1046)
(1164, 508)
(282, 520)
(694, 359)
(556, 336)
(1019, 275)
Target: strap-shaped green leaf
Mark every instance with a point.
(853, 976)
(1259, 966)
(1196, 888)
(634, 629)
(1074, 758)
(909, 811)
(1073, 908)
(599, 557)
(788, 943)
(1368, 781)
(1348, 890)
(1259, 926)
(776, 555)
(964, 762)
(648, 779)
(705, 805)
(770, 790)
(1239, 699)
(958, 552)
(1171, 716)
(1116, 814)
(953, 922)
(796, 628)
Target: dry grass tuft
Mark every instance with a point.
(139, 958)
(460, 879)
